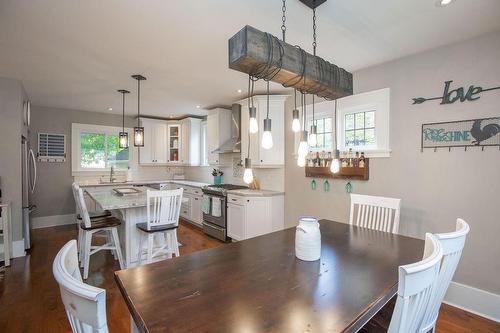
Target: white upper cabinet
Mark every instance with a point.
(174, 143)
(265, 158)
(218, 132)
(154, 151)
(191, 141)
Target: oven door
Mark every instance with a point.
(217, 216)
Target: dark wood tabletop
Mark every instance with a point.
(258, 285)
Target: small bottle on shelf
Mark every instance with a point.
(362, 160)
(350, 162)
(344, 160)
(356, 160)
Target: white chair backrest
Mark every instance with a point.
(84, 213)
(416, 284)
(378, 213)
(163, 207)
(452, 244)
(75, 189)
(85, 305)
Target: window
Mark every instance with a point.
(363, 123)
(96, 148)
(324, 127)
(359, 129)
(204, 143)
(101, 151)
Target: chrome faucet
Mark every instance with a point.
(112, 174)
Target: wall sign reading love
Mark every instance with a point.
(461, 94)
(463, 133)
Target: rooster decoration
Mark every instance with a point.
(482, 134)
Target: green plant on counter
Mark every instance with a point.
(217, 172)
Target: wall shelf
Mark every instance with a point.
(344, 173)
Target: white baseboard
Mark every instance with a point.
(477, 301)
(18, 249)
(52, 221)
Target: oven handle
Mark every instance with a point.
(214, 227)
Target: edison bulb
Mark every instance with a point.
(248, 176)
(253, 126)
(303, 148)
(312, 140)
(301, 161)
(267, 140)
(296, 125)
(335, 166)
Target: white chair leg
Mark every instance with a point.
(175, 243)
(110, 239)
(139, 253)
(150, 248)
(118, 250)
(86, 260)
(79, 242)
(168, 244)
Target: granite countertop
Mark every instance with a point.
(109, 199)
(255, 193)
(143, 182)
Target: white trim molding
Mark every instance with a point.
(480, 302)
(18, 248)
(53, 221)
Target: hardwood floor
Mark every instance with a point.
(30, 300)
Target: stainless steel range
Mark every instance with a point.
(215, 209)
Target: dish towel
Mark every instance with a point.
(205, 204)
(216, 207)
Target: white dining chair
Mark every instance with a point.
(107, 225)
(378, 213)
(85, 305)
(452, 244)
(92, 215)
(163, 208)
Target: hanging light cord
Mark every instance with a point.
(250, 99)
(267, 115)
(123, 111)
(283, 19)
(295, 97)
(138, 101)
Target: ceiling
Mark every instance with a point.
(75, 54)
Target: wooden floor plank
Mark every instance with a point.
(30, 300)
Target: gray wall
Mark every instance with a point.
(12, 96)
(435, 187)
(53, 193)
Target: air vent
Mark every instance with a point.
(51, 147)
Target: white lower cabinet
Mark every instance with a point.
(191, 210)
(249, 217)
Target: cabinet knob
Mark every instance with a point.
(261, 161)
(248, 200)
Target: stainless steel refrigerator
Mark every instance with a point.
(29, 185)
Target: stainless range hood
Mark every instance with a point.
(233, 145)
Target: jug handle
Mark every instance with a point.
(301, 228)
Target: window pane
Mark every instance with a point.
(328, 142)
(370, 119)
(370, 137)
(309, 124)
(117, 156)
(328, 124)
(92, 150)
(349, 121)
(321, 141)
(360, 120)
(320, 123)
(349, 138)
(359, 137)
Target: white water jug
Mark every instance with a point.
(308, 239)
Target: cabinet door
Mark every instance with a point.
(160, 143)
(185, 147)
(275, 155)
(146, 155)
(213, 138)
(236, 221)
(258, 214)
(174, 143)
(196, 214)
(186, 207)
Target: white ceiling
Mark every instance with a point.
(75, 54)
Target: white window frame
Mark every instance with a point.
(378, 101)
(321, 110)
(76, 131)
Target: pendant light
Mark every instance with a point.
(303, 147)
(248, 174)
(313, 140)
(138, 130)
(335, 165)
(267, 136)
(295, 115)
(123, 136)
(253, 125)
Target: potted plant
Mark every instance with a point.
(217, 173)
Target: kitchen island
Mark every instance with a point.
(131, 209)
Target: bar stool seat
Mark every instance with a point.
(165, 227)
(93, 215)
(101, 223)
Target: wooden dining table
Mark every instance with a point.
(258, 285)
